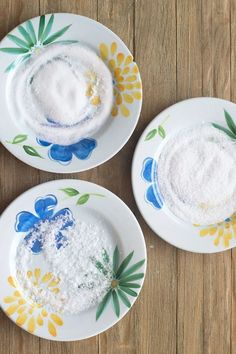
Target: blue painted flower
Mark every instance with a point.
(149, 174)
(30, 223)
(64, 153)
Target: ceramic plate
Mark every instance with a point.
(207, 239)
(82, 201)
(26, 41)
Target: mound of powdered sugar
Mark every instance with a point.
(62, 93)
(80, 284)
(197, 175)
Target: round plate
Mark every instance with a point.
(90, 151)
(87, 202)
(202, 239)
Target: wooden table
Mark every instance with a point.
(184, 48)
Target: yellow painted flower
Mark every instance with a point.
(95, 100)
(29, 313)
(126, 79)
(221, 232)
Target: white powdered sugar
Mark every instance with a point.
(62, 93)
(197, 175)
(79, 281)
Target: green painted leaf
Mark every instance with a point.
(66, 41)
(14, 50)
(230, 122)
(130, 285)
(226, 131)
(151, 134)
(31, 31)
(83, 199)
(31, 151)
(23, 58)
(11, 66)
(124, 264)
(116, 258)
(26, 35)
(99, 266)
(41, 27)
(103, 304)
(161, 131)
(128, 291)
(97, 195)
(132, 277)
(56, 35)
(105, 256)
(116, 303)
(19, 138)
(123, 297)
(17, 61)
(132, 269)
(71, 192)
(18, 41)
(47, 29)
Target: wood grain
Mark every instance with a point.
(190, 266)
(217, 267)
(184, 48)
(155, 52)
(119, 17)
(233, 98)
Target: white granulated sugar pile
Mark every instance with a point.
(81, 283)
(62, 93)
(197, 175)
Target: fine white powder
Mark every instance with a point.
(81, 283)
(197, 175)
(62, 93)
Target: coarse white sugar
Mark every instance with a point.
(75, 267)
(62, 93)
(197, 175)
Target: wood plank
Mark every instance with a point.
(15, 178)
(216, 48)
(233, 98)
(233, 303)
(189, 84)
(118, 16)
(217, 267)
(155, 53)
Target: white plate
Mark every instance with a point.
(92, 202)
(209, 239)
(127, 88)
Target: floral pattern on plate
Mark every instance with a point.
(27, 222)
(82, 150)
(64, 154)
(31, 42)
(123, 280)
(82, 198)
(149, 174)
(126, 79)
(223, 232)
(29, 314)
(160, 130)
